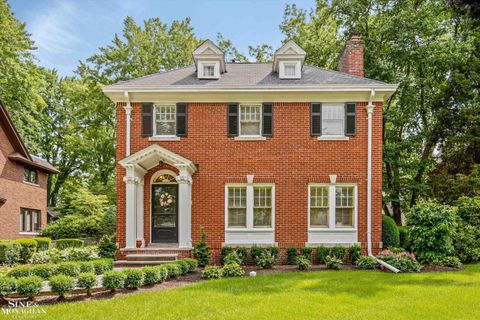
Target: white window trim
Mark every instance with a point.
(216, 69)
(160, 137)
(332, 204)
(249, 193)
(249, 136)
(298, 67)
(333, 136)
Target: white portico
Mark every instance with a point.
(136, 166)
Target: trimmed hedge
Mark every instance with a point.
(390, 234)
(322, 253)
(10, 252)
(102, 265)
(337, 252)
(69, 268)
(291, 255)
(28, 287)
(133, 278)
(20, 271)
(87, 281)
(354, 253)
(61, 284)
(151, 275)
(43, 243)
(44, 271)
(86, 266)
(69, 243)
(113, 280)
(29, 247)
(7, 286)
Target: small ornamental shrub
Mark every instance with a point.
(41, 257)
(232, 257)
(12, 253)
(232, 270)
(404, 239)
(102, 265)
(354, 253)
(366, 263)
(274, 251)
(81, 254)
(86, 267)
(151, 275)
(224, 252)
(133, 278)
(113, 280)
(390, 234)
(192, 264)
(173, 270)
(403, 261)
(266, 260)
(302, 262)
(466, 242)
(20, 271)
(291, 255)
(44, 271)
(87, 281)
(107, 246)
(43, 243)
(322, 253)
(452, 262)
(61, 284)
(333, 262)
(184, 266)
(338, 252)
(29, 247)
(27, 287)
(68, 268)
(242, 253)
(432, 227)
(69, 243)
(7, 286)
(306, 252)
(255, 252)
(201, 251)
(212, 272)
(163, 272)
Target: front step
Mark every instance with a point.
(161, 257)
(139, 263)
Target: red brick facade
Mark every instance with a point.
(291, 159)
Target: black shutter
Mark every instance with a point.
(316, 119)
(182, 119)
(267, 123)
(147, 119)
(232, 119)
(350, 118)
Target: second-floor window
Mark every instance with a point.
(250, 120)
(165, 120)
(333, 119)
(30, 175)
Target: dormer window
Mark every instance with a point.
(288, 61)
(208, 70)
(289, 70)
(209, 60)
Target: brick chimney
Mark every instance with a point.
(351, 60)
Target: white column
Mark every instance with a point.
(184, 180)
(250, 194)
(140, 212)
(128, 112)
(131, 181)
(370, 108)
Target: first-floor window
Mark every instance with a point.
(262, 207)
(250, 120)
(165, 116)
(237, 207)
(332, 206)
(250, 209)
(29, 220)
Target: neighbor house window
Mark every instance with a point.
(31, 175)
(165, 120)
(250, 207)
(290, 70)
(333, 119)
(250, 120)
(209, 70)
(332, 206)
(29, 220)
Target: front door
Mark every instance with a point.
(164, 213)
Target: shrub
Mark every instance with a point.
(61, 284)
(322, 253)
(41, 257)
(107, 246)
(390, 234)
(10, 253)
(192, 264)
(28, 287)
(43, 243)
(337, 252)
(102, 265)
(20, 271)
(232, 270)
(81, 254)
(212, 272)
(274, 251)
(29, 247)
(151, 275)
(87, 281)
(68, 268)
(44, 271)
(113, 280)
(266, 260)
(69, 243)
(432, 227)
(242, 253)
(467, 243)
(302, 262)
(7, 286)
(163, 272)
(354, 253)
(452, 262)
(333, 262)
(255, 252)
(232, 257)
(366, 262)
(469, 210)
(86, 267)
(403, 261)
(173, 270)
(133, 278)
(224, 252)
(184, 266)
(291, 255)
(201, 251)
(306, 252)
(404, 240)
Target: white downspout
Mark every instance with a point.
(128, 112)
(370, 108)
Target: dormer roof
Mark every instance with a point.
(289, 51)
(209, 51)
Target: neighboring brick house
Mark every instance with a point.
(23, 185)
(254, 153)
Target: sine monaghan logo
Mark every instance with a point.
(23, 307)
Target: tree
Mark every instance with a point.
(230, 51)
(261, 53)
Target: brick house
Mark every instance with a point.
(23, 185)
(254, 153)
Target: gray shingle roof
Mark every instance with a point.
(244, 75)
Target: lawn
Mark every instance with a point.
(306, 295)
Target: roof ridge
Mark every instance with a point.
(344, 73)
(151, 75)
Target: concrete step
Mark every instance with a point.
(166, 257)
(138, 263)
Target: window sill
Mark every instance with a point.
(332, 230)
(29, 233)
(333, 138)
(250, 230)
(164, 138)
(250, 138)
(31, 184)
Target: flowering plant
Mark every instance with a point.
(166, 199)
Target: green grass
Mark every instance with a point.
(308, 295)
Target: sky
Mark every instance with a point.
(66, 31)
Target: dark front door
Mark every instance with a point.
(164, 213)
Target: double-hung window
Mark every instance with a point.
(165, 120)
(250, 119)
(333, 119)
(332, 206)
(250, 207)
(29, 220)
(209, 70)
(290, 70)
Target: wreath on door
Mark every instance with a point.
(166, 199)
